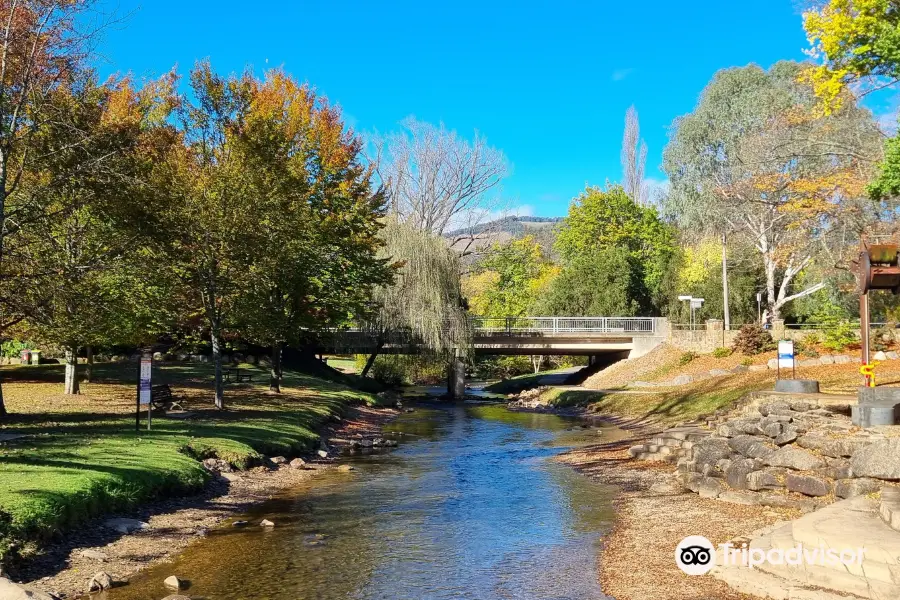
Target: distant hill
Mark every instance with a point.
(515, 226)
(502, 230)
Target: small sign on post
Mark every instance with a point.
(144, 391)
(786, 357)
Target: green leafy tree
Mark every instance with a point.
(425, 299)
(602, 219)
(604, 282)
(755, 158)
(518, 273)
(42, 48)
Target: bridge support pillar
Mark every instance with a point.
(456, 380)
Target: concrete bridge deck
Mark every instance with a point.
(590, 336)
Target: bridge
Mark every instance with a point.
(600, 338)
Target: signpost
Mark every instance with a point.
(694, 303)
(786, 357)
(143, 392)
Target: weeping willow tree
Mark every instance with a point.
(424, 306)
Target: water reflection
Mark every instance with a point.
(467, 507)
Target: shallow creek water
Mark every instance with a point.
(467, 507)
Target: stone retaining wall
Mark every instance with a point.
(779, 452)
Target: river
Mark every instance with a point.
(469, 506)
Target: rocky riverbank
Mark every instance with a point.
(652, 516)
(119, 548)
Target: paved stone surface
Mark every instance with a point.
(845, 525)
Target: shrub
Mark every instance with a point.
(752, 339)
(12, 348)
(747, 361)
(399, 369)
(840, 336)
(722, 352)
(686, 358)
(811, 339)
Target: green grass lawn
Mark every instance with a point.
(675, 404)
(81, 456)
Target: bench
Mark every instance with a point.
(162, 398)
(237, 375)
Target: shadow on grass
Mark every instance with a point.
(71, 466)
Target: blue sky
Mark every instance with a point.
(546, 82)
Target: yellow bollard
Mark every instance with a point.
(868, 371)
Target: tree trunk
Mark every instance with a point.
(727, 310)
(89, 366)
(536, 361)
(275, 372)
(217, 361)
(771, 311)
(72, 386)
(3, 411)
(372, 357)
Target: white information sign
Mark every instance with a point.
(145, 381)
(786, 354)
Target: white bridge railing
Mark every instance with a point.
(563, 325)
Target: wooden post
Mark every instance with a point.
(864, 324)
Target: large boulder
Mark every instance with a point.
(789, 433)
(708, 487)
(794, 458)
(750, 446)
(12, 591)
(837, 468)
(850, 488)
(765, 479)
(736, 473)
(710, 450)
(100, 582)
(880, 460)
(125, 525)
(808, 485)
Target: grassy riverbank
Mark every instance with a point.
(80, 456)
(516, 384)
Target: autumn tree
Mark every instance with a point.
(755, 157)
(210, 221)
(319, 215)
(72, 256)
(43, 44)
(858, 44)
